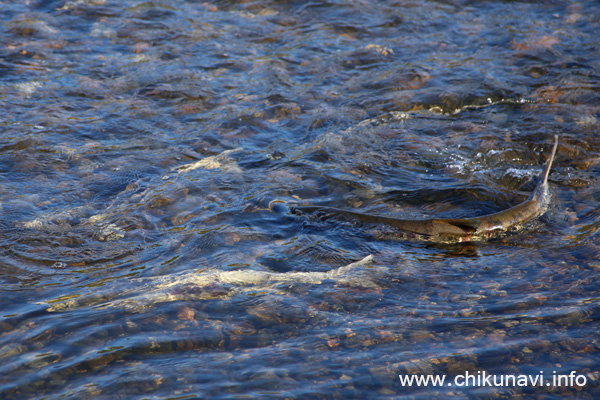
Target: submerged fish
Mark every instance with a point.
(457, 230)
(139, 293)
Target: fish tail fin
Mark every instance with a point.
(550, 161)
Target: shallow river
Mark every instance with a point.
(150, 152)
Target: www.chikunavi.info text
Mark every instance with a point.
(482, 378)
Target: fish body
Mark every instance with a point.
(140, 293)
(457, 230)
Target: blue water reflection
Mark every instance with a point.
(150, 151)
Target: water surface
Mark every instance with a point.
(149, 152)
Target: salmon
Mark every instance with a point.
(458, 230)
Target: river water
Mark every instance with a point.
(150, 150)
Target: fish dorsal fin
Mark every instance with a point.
(462, 226)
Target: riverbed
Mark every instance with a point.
(150, 154)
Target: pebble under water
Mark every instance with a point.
(150, 152)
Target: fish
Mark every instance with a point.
(141, 293)
(457, 230)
